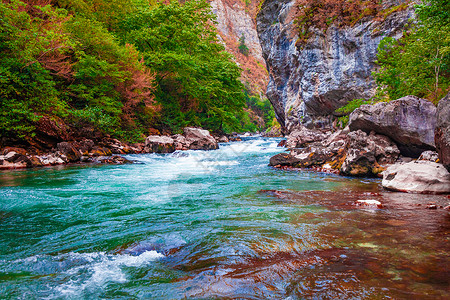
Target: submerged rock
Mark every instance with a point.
(408, 121)
(442, 133)
(417, 177)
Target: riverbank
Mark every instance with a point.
(107, 150)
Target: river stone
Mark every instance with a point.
(302, 136)
(408, 121)
(69, 151)
(423, 177)
(200, 139)
(283, 159)
(159, 144)
(442, 132)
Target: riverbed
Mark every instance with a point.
(216, 224)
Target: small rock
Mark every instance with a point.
(282, 143)
(369, 203)
(223, 139)
(302, 136)
(69, 151)
(431, 206)
(429, 156)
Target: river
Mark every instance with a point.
(216, 224)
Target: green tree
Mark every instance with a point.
(419, 63)
(197, 80)
(242, 46)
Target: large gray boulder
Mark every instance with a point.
(424, 177)
(442, 132)
(159, 144)
(408, 121)
(200, 139)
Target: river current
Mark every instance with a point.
(216, 225)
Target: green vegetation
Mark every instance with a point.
(349, 108)
(242, 46)
(119, 67)
(419, 63)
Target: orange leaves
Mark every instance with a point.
(323, 13)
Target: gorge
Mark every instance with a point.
(131, 190)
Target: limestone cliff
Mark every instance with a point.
(234, 19)
(332, 67)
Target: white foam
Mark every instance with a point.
(103, 269)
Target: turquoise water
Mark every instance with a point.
(217, 224)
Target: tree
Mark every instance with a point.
(197, 80)
(242, 47)
(419, 63)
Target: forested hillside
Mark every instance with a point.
(125, 68)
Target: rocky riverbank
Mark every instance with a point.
(384, 140)
(106, 150)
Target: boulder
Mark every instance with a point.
(159, 144)
(85, 146)
(100, 151)
(423, 177)
(283, 159)
(353, 154)
(442, 132)
(223, 139)
(200, 139)
(367, 153)
(302, 136)
(429, 156)
(408, 121)
(180, 142)
(69, 151)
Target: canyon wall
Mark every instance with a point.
(234, 19)
(308, 82)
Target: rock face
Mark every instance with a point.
(234, 21)
(409, 121)
(236, 18)
(417, 177)
(332, 68)
(442, 133)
